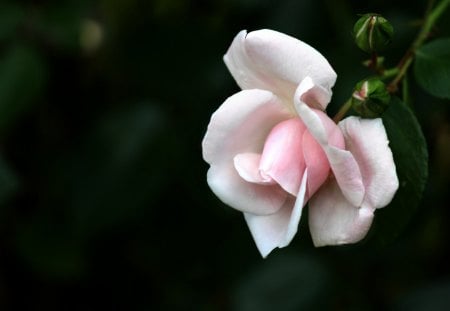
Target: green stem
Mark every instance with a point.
(430, 20)
(344, 108)
(389, 73)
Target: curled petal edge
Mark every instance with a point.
(342, 163)
(267, 59)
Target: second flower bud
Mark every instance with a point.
(370, 98)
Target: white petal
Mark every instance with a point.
(342, 163)
(244, 196)
(312, 94)
(334, 220)
(366, 139)
(247, 166)
(271, 60)
(241, 125)
(313, 123)
(278, 229)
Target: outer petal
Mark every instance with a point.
(367, 140)
(271, 60)
(277, 230)
(342, 163)
(334, 220)
(241, 125)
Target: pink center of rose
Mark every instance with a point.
(288, 151)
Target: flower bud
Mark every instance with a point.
(372, 33)
(370, 98)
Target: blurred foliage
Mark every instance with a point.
(22, 79)
(286, 282)
(103, 199)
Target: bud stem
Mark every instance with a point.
(389, 73)
(405, 62)
(343, 110)
(374, 62)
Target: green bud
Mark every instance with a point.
(370, 98)
(372, 33)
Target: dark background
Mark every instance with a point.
(103, 197)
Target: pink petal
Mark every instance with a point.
(282, 158)
(342, 163)
(366, 139)
(241, 125)
(334, 220)
(278, 229)
(271, 60)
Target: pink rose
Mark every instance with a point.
(272, 148)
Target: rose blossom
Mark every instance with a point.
(271, 147)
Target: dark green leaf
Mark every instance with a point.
(432, 67)
(411, 159)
